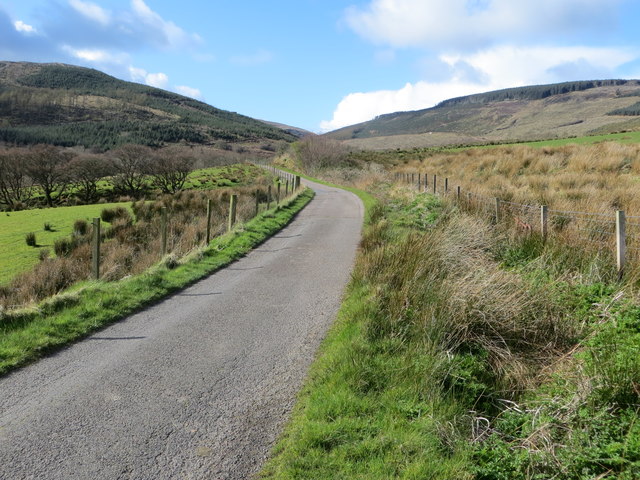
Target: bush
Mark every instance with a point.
(30, 239)
(80, 227)
(47, 227)
(63, 247)
(43, 254)
(110, 214)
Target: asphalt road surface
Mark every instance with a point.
(198, 386)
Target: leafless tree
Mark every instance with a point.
(170, 169)
(48, 168)
(86, 170)
(130, 166)
(315, 152)
(15, 186)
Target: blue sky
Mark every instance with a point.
(324, 64)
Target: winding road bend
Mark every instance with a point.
(198, 386)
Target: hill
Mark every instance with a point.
(516, 114)
(68, 105)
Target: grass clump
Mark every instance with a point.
(30, 239)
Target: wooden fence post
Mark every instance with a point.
(257, 203)
(278, 194)
(297, 182)
(426, 182)
(208, 236)
(446, 185)
(621, 244)
(163, 230)
(268, 197)
(458, 193)
(435, 184)
(419, 181)
(544, 221)
(95, 258)
(233, 202)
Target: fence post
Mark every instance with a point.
(426, 182)
(297, 182)
(278, 194)
(163, 229)
(286, 187)
(233, 202)
(435, 180)
(257, 203)
(544, 221)
(95, 259)
(419, 181)
(497, 209)
(621, 244)
(458, 193)
(268, 197)
(208, 237)
(446, 186)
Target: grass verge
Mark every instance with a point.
(463, 352)
(29, 334)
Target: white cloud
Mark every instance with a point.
(189, 92)
(91, 11)
(262, 56)
(102, 57)
(158, 80)
(172, 35)
(493, 69)
(471, 24)
(23, 27)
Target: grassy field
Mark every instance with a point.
(17, 256)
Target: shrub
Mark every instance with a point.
(48, 227)
(63, 247)
(30, 239)
(43, 254)
(80, 227)
(110, 214)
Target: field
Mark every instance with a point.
(17, 256)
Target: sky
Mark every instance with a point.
(325, 64)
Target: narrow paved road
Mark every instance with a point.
(198, 386)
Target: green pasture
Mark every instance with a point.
(226, 176)
(16, 256)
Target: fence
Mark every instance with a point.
(615, 233)
(291, 184)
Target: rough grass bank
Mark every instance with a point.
(27, 334)
(469, 352)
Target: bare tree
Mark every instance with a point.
(47, 166)
(86, 171)
(130, 166)
(15, 186)
(170, 169)
(315, 152)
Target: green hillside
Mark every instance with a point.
(516, 114)
(67, 105)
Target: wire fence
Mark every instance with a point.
(612, 232)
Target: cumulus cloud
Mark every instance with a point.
(490, 69)
(23, 27)
(158, 80)
(189, 92)
(465, 24)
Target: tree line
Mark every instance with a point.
(45, 174)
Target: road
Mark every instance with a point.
(198, 386)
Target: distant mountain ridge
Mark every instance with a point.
(515, 114)
(68, 105)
